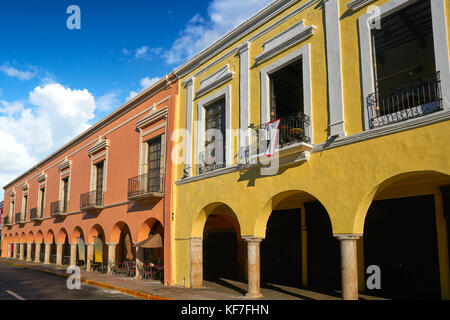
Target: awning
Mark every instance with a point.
(153, 241)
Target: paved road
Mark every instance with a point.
(21, 283)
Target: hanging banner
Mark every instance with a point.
(98, 248)
(272, 128)
(81, 250)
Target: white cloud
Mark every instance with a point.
(29, 134)
(223, 15)
(108, 101)
(13, 72)
(144, 53)
(145, 83)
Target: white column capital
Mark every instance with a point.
(112, 243)
(348, 236)
(252, 239)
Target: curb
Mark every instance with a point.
(130, 292)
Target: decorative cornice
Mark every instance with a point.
(66, 164)
(358, 4)
(24, 186)
(215, 80)
(42, 177)
(152, 117)
(12, 193)
(284, 40)
(101, 145)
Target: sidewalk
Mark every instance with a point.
(154, 290)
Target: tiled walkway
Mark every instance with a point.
(218, 290)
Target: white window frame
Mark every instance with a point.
(441, 49)
(304, 54)
(39, 202)
(201, 116)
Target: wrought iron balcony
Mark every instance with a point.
(91, 201)
(19, 218)
(406, 102)
(291, 130)
(58, 208)
(7, 222)
(292, 141)
(146, 187)
(36, 214)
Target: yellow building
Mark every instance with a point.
(357, 185)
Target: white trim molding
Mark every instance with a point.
(189, 84)
(285, 40)
(441, 49)
(214, 81)
(304, 54)
(42, 177)
(99, 146)
(65, 165)
(223, 93)
(358, 4)
(153, 116)
(334, 69)
(244, 94)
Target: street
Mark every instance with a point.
(25, 284)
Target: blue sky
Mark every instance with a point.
(56, 82)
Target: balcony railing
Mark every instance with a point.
(149, 186)
(292, 129)
(405, 102)
(57, 209)
(35, 214)
(19, 218)
(91, 201)
(7, 222)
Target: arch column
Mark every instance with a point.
(253, 267)
(73, 254)
(111, 254)
(196, 262)
(15, 247)
(29, 251)
(47, 253)
(9, 250)
(349, 265)
(90, 256)
(139, 260)
(21, 252)
(37, 253)
(59, 247)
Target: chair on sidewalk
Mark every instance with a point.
(120, 268)
(112, 268)
(130, 269)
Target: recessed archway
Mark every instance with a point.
(78, 238)
(299, 249)
(405, 235)
(125, 251)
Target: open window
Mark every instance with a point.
(407, 82)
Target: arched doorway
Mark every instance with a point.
(125, 251)
(405, 232)
(97, 238)
(81, 251)
(220, 248)
(299, 249)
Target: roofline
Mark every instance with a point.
(244, 28)
(146, 94)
